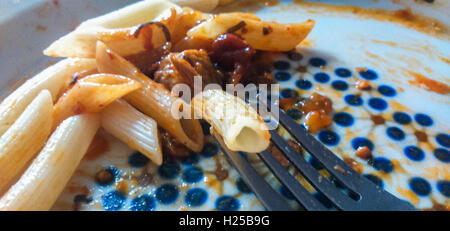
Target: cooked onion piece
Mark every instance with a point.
(267, 36)
(25, 137)
(240, 126)
(132, 127)
(91, 94)
(117, 30)
(54, 79)
(153, 99)
(44, 180)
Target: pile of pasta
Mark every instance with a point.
(48, 123)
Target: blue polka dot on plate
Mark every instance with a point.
(383, 164)
(420, 186)
(354, 100)
(322, 77)
(227, 203)
(442, 155)
(414, 153)
(192, 175)
(368, 74)
(138, 160)
(329, 137)
(169, 170)
(209, 150)
(443, 187)
(361, 142)
(195, 197)
(339, 85)
(166, 193)
(443, 139)
(317, 62)
(378, 104)
(375, 179)
(303, 84)
(343, 72)
(387, 90)
(395, 133)
(423, 119)
(343, 119)
(113, 200)
(289, 93)
(282, 76)
(401, 118)
(143, 203)
(281, 65)
(242, 186)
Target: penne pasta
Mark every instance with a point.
(205, 6)
(152, 99)
(48, 174)
(240, 126)
(132, 127)
(260, 35)
(117, 30)
(91, 94)
(25, 137)
(54, 79)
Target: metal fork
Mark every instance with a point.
(365, 194)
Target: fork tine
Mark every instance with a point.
(342, 172)
(372, 196)
(298, 191)
(320, 183)
(271, 200)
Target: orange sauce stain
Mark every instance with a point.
(428, 84)
(404, 17)
(445, 60)
(408, 194)
(394, 44)
(398, 106)
(97, 148)
(307, 43)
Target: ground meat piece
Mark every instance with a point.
(316, 120)
(363, 152)
(316, 109)
(171, 146)
(279, 156)
(240, 62)
(181, 67)
(316, 102)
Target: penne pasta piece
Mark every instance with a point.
(152, 99)
(48, 174)
(25, 137)
(91, 94)
(55, 78)
(134, 128)
(260, 35)
(202, 5)
(240, 126)
(117, 30)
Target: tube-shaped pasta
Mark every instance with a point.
(115, 29)
(25, 137)
(91, 94)
(54, 79)
(267, 36)
(48, 174)
(202, 5)
(132, 127)
(152, 99)
(240, 126)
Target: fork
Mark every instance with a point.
(362, 194)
